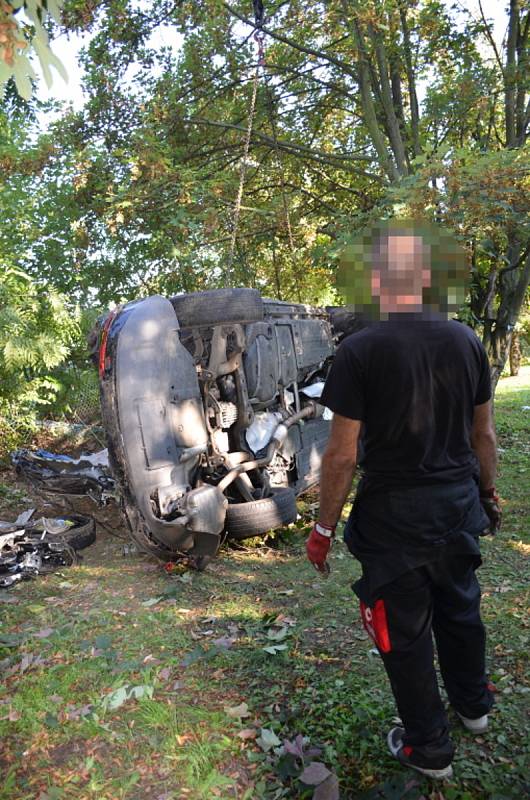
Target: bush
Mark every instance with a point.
(37, 332)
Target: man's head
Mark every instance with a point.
(401, 270)
(403, 266)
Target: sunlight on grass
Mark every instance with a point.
(520, 546)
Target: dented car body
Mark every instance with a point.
(210, 403)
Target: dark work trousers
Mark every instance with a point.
(442, 597)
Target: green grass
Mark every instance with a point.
(74, 643)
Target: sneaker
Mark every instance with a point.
(432, 764)
(478, 725)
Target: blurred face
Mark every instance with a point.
(401, 274)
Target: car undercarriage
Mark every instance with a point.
(210, 403)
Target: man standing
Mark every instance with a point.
(418, 386)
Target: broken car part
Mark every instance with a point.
(60, 474)
(42, 546)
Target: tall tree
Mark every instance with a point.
(362, 109)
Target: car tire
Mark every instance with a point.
(218, 307)
(244, 520)
(82, 534)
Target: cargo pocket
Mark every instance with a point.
(376, 625)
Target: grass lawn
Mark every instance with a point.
(121, 681)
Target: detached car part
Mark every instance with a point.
(61, 474)
(28, 549)
(210, 403)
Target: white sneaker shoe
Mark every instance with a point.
(479, 725)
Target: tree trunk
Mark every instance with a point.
(501, 340)
(498, 333)
(515, 355)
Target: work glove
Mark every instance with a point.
(490, 503)
(318, 546)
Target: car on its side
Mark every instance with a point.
(210, 402)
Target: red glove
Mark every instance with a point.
(490, 504)
(318, 546)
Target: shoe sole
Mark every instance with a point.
(476, 731)
(437, 774)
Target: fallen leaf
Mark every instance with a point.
(328, 789)
(224, 642)
(296, 747)
(315, 773)
(277, 634)
(247, 733)
(267, 739)
(151, 602)
(44, 633)
(103, 641)
(275, 648)
(74, 713)
(116, 698)
(144, 690)
(13, 715)
(29, 660)
(283, 620)
(198, 654)
(164, 673)
(237, 711)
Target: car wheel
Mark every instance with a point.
(82, 533)
(218, 307)
(244, 520)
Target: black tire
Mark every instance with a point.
(82, 534)
(244, 520)
(218, 307)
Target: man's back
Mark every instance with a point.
(414, 383)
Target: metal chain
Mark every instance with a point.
(242, 173)
(278, 160)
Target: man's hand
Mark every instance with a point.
(318, 546)
(490, 504)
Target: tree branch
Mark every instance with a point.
(411, 80)
(393, 128)
(342, 65)
(370, 116)
(511, 74)
(490, 38)
(290, 147)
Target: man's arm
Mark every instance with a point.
(484, 443)
(338, 467)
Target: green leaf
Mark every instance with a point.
(275, 648)
(267, 739)
(143, 690)
(115, 699)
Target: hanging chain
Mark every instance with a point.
(278, 160)
(258, 36)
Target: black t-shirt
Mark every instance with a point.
(413, 381)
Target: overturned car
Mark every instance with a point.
(210, 403)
